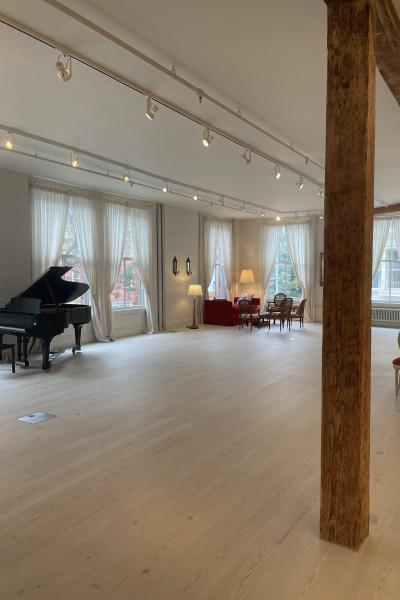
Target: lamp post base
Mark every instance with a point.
(192, 326)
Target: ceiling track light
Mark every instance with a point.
(75, 160)
(9, 142)
(246, 156)
(207, 137)
(195, 196)
(321, 193)
(64, 67)
(127, 176)
(278, 172)
(151, 109)
(262, 213)
(165, 187)
(278, 218)
(300, 183)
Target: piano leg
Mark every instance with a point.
(1, 341)
(78, 331)
(25, 350)
(46, 353)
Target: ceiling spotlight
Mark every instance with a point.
(9, 142)
(165, 188)
(127, 177)
(321, 217)
(75, 160)
(300, 183)
(195, 196)
(207, 137)
(262, 213)
(278, 218)
(321, 193)
(151, 109)
(277, 172)
(64, 67)
(243, 209)
(246, 156)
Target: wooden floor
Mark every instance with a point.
(185, 466)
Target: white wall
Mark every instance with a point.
(16, 258)
(181, 236)
(15, 235)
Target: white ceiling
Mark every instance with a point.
(266, 57)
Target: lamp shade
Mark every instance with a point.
(195, 290)
(247, 276)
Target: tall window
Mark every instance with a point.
(217, 287)
(128, 292)
(386, 283)
(283, 278)
(70, 256)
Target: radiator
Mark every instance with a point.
(385, 316)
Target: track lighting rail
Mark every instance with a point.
(147, 93)
(200, 93)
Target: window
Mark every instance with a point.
(128, 292)
(386, 283)
(70, 256)
(283, 278)
(217, 287)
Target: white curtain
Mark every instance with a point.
(224, 244)
(101, 232)
(140, 224)
(269, 247)
(299, 244)
(210, 250)
(218, 244)
(381, 232)
(49, 217)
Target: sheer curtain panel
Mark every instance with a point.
(270, 244)
(101, 232)
(224, 250)
(211, 231)
(49, 217)
(140, 223)
(381, 233)
(299, 244)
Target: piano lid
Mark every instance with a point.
(51, 289)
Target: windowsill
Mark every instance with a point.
(129, 311)
(382, 304)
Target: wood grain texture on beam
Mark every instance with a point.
(346, 352)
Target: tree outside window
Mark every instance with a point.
(217, 287)
(283, 278)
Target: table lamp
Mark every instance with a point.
(247, 276)
(194, 290)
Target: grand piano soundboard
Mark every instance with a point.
(41, 311)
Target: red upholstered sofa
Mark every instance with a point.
(223, 312)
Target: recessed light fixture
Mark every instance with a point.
(207, 137)
(64, 67)
(151, 109)
(9, 142)
(165, 188)
(75, 160)
(277, 172)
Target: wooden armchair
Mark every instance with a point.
(298, 313)
(275, 304)
(285, 310)
(248, 313)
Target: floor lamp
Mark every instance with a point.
(247, 276)
(194, 290)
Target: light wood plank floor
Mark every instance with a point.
(186, 466)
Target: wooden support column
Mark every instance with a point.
(346, 353)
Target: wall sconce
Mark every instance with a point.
(188, 269)
(175, 269)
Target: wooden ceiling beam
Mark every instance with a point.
(385, 210)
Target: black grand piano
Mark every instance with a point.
(42, 311)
